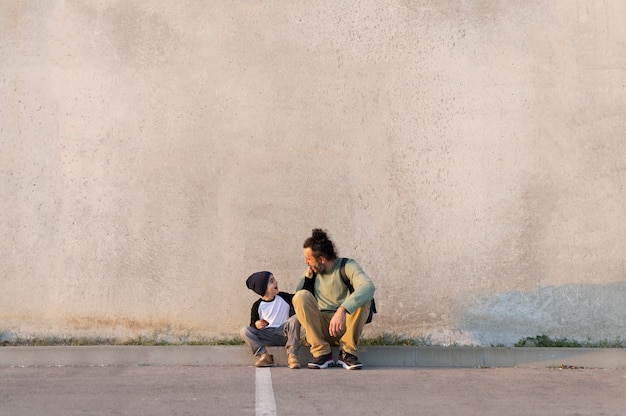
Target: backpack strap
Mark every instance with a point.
(344, 278)
(346, 282)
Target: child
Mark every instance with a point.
(270, 323)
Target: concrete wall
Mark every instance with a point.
(470, 155)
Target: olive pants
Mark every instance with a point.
(316, 323)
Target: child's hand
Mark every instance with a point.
(261, 324)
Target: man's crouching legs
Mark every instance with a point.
(311, 320)
(355, 322)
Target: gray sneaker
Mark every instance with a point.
(348, 361)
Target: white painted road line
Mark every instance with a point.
(265, 404)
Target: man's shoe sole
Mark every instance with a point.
(325, 365)
(347, 367)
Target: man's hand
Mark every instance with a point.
(338, 322)
(309, 273)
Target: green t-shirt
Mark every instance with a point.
(331, 292)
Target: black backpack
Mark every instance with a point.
(310, 284)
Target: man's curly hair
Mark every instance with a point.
(320, 245)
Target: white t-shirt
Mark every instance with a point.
(276, 312)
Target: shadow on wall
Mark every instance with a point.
(7, 336)
(580, 312)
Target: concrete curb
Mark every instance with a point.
(374, 356)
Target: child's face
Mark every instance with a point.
(272, 287)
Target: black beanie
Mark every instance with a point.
(258, 282)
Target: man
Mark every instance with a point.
(328, 312)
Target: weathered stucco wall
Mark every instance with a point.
(470, 155)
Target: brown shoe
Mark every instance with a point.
(292, 361)
(266, 360)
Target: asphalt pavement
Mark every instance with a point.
(231, 390)
(176, 381)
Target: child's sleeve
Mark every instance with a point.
(287, 297)
(254, 313)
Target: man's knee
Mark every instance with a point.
(302, 296)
